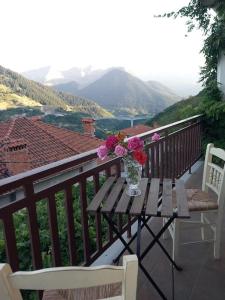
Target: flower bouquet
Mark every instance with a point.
(132, 152)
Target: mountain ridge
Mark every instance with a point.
(44, 95)
(115, 90)
(120, 91)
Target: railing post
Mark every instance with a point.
(98, 216)
(70, 225)
(33, 227)
(166, 154)
(84, 221)
(53, 225)
(10, 239)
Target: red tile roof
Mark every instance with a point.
(138, 129)
(45, 143)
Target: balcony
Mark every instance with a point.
(43, 218)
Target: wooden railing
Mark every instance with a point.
(174, 153)
(177, 150)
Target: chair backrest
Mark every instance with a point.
(70, 278)
(214, 175)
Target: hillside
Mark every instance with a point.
(213, 120)
(181, 110)
(43, 95)
(120, 92)
(8, 99)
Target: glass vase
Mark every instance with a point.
(133, 176)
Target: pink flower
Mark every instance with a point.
(155, 137)
(111, 142)
(120, 150)
(135, 143)
(102, 152)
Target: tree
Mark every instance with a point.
(202, 17)
(211, 20)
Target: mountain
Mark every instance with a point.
(50, 75)
(121, 92)
(43, 75)
(163, 90)
(83, 76)
(18, 85)
(114, 89)
(70, 87)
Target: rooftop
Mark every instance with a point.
(44, 143)
(135, 130)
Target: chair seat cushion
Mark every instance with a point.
(92, 293)
(200, 201)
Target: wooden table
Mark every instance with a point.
(156, 200)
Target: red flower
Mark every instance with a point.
(111, 142)
(140, 156)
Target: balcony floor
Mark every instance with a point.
(202, 276)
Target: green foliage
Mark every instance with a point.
(181, 110)
(12, 112)
(69, 120)
(111, 125)
(8, 99)
(72, 121)
(213, 116)
(22, 232)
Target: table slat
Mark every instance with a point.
(181, 198)
(138, 201)
(167, 206)
(153, 198)
(113, 196)
(123, 203)
(99, 197)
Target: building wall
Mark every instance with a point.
(221, 73)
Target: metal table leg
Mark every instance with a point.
(138, 251)
(130, 241)
(161, 246)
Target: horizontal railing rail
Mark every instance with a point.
(67, 163)
(52, 221)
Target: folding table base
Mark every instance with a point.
(140, 256)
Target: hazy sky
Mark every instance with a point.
(101, 33)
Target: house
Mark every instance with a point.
(28, 143)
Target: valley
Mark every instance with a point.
(113, 89)
(113, 97)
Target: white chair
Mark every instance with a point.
(70, 278)
(201, 200)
